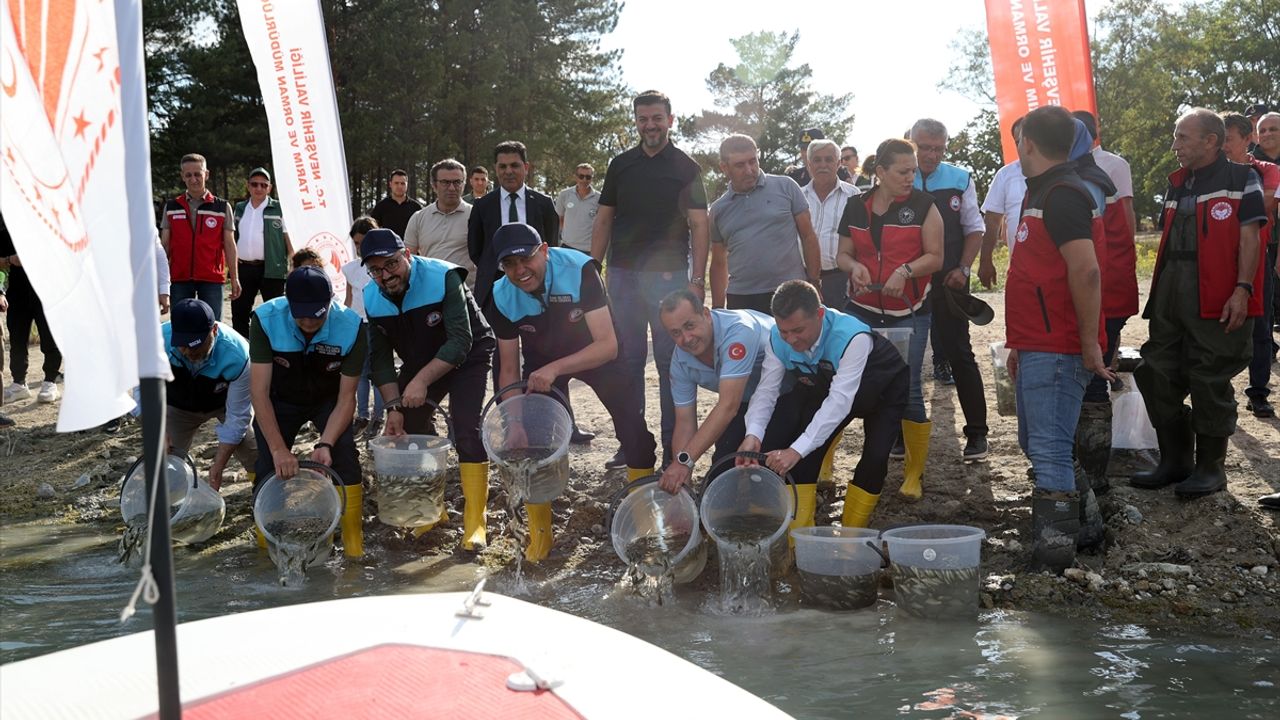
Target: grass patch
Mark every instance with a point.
(1147, 246)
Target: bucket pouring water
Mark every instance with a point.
(196, 511)
(935, 569)
(839, 567)
(527, 437)
(411, 472)
(298, 516)
(655, 532)
(749, 505)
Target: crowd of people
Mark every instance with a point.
(509, 290)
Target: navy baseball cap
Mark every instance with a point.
(516, 239)
(309, 292)
(380, 242)
(190, 322)
(1257, 109)
(812, 134)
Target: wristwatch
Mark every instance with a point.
(684, 459)
(1247, 287)
(905, 269)
(966, 270)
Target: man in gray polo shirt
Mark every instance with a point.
(577, 206)
(761, 234)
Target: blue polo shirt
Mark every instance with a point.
(740, 336)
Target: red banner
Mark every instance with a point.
(1040, 56)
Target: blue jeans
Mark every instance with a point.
(209, 292)
(1263, 351)
(634, 296)
(1050, 388)
(363, 389)
(919, 326)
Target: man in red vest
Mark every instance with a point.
(197, 231)
(1204, 295)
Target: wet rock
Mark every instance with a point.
(1168, 584)
(131, 459)
(597, 529)
(82, 481)
(1013, 546)
(1131, 515)
(1075, 575)
(1227, 597)
(1160, 568)
(987, 601)
(1142, 586)
(1259, 570)
(45, 491)
(1192, 588)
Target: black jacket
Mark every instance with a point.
(486, 218)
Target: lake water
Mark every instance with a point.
(60, 586)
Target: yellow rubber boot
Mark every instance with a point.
(353, 521)
(858, 506)
(262, 539)
(634, 474)
(806, 505)
(826, 476)
(539, 531)
(915, 437)
(475, 494)
(251, 476)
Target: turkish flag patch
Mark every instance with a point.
(737, 351)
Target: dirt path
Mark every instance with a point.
(1210, 563)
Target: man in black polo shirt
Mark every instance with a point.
(652, 227)
(396, 207)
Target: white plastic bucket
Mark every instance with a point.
(196, 511)
(935, 569)
(309, 501)
(411, 472)
(647, 511)
(901, 340)
(838, 567)
(752, 496)
(527, 437)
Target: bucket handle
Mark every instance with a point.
(184, 455)
(884, 556)
(759, 457)
(318, 468)
(620, 495)
(519, 384)
(448, 421)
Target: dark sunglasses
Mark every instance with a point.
(585, 177)
(260, 184)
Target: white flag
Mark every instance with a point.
(292, 58)
(63, 157)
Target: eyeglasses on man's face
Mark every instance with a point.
(585, 177)
(253, 184)
(386, 268)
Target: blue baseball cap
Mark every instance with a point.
(309, 292)
(380, 242)
(516, 239)
(190, 321)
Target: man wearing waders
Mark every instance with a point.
(1203, 301)
(420, 309)
(306, 353)
(821, 370)
(552, 305)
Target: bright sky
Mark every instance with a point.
(867, 47)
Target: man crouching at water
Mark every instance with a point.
(552, 303)
(835, 369)
(720, 351)
(306, 354)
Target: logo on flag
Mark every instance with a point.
(737, 351)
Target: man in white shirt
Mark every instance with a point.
(827, 195)
(263, 249)
(577, 207)
(1001, 212)
(440, 229)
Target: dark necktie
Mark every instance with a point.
(513, 215)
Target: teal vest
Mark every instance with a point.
(817, 371)
(276, 264)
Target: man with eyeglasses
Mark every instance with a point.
(421, 310)
(440, 229)
(196, 231)
(263, 248)
(577, 206)
(551, 304)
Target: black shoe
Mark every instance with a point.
(112, 426)
(975, 448)
(6, 421)
(1261, 408)
(1270, 502)
(942, 373)
(581, 437)
(1177, 456)
(1093, 445)
(1092, 528)
(615, 462)
(358, 425)
(1210, 475)
(899, 450)
(1055, 525)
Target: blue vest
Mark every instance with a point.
(817, 371)
(204, 389)
(551, 325)
(307, 372)
(947, 185)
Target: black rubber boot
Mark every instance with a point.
(1270, 502)
(1210, 476)
(1177, 456)
(1093, 444)
(1092, 528)
(1055, 525)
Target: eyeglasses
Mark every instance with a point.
(585, 177)
(385, 269)
(450, 183)
(260, 184)
(512, 262)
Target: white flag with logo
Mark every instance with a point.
(292, 58)
(61, 192)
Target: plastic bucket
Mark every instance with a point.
(1131, 427)
(901, 340)
(196, 511)
(647, 522)
(1006, 395)
(838, 568)
(300, 513)
(526, 437)
(749, 505)
(411, 472)
(935, 569)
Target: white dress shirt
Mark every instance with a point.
(505, 204)
(825, 215)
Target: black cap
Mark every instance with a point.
(309, 292)
(963, 303)
(190, 321)
(260, 172)
(516, 239)
(380, 242)
(812, 134)
(1257, 109)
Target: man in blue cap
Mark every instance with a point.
(420, 309)
(551, 303)
(210, 364)
(306, 354)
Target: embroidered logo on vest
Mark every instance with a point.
(954, 203)
(282, 362)
(328, 350)
(575, 315)
(1221, 210)
(220, 387)
(1023, 232)
(210, 222)
(906, 215)
(433, 319)
(330, 367)
(561, 298)
(527, 328)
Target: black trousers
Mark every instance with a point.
(760, 302)
(24, 309)
(291, 418)
(1263, 348)
(252, 283)
(729, 442)
(613, 386)
(949, 334)
(465, 387)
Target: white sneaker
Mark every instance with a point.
(48, 392)
(16, 392)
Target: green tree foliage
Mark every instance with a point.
(978, 144)
(764, 96)
(977, 147)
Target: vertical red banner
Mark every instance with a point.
(1040, 56)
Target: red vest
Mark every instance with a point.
(1218, 191)
(1117, 259)
(1039, 312)
(198, 256)
(901, 241)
